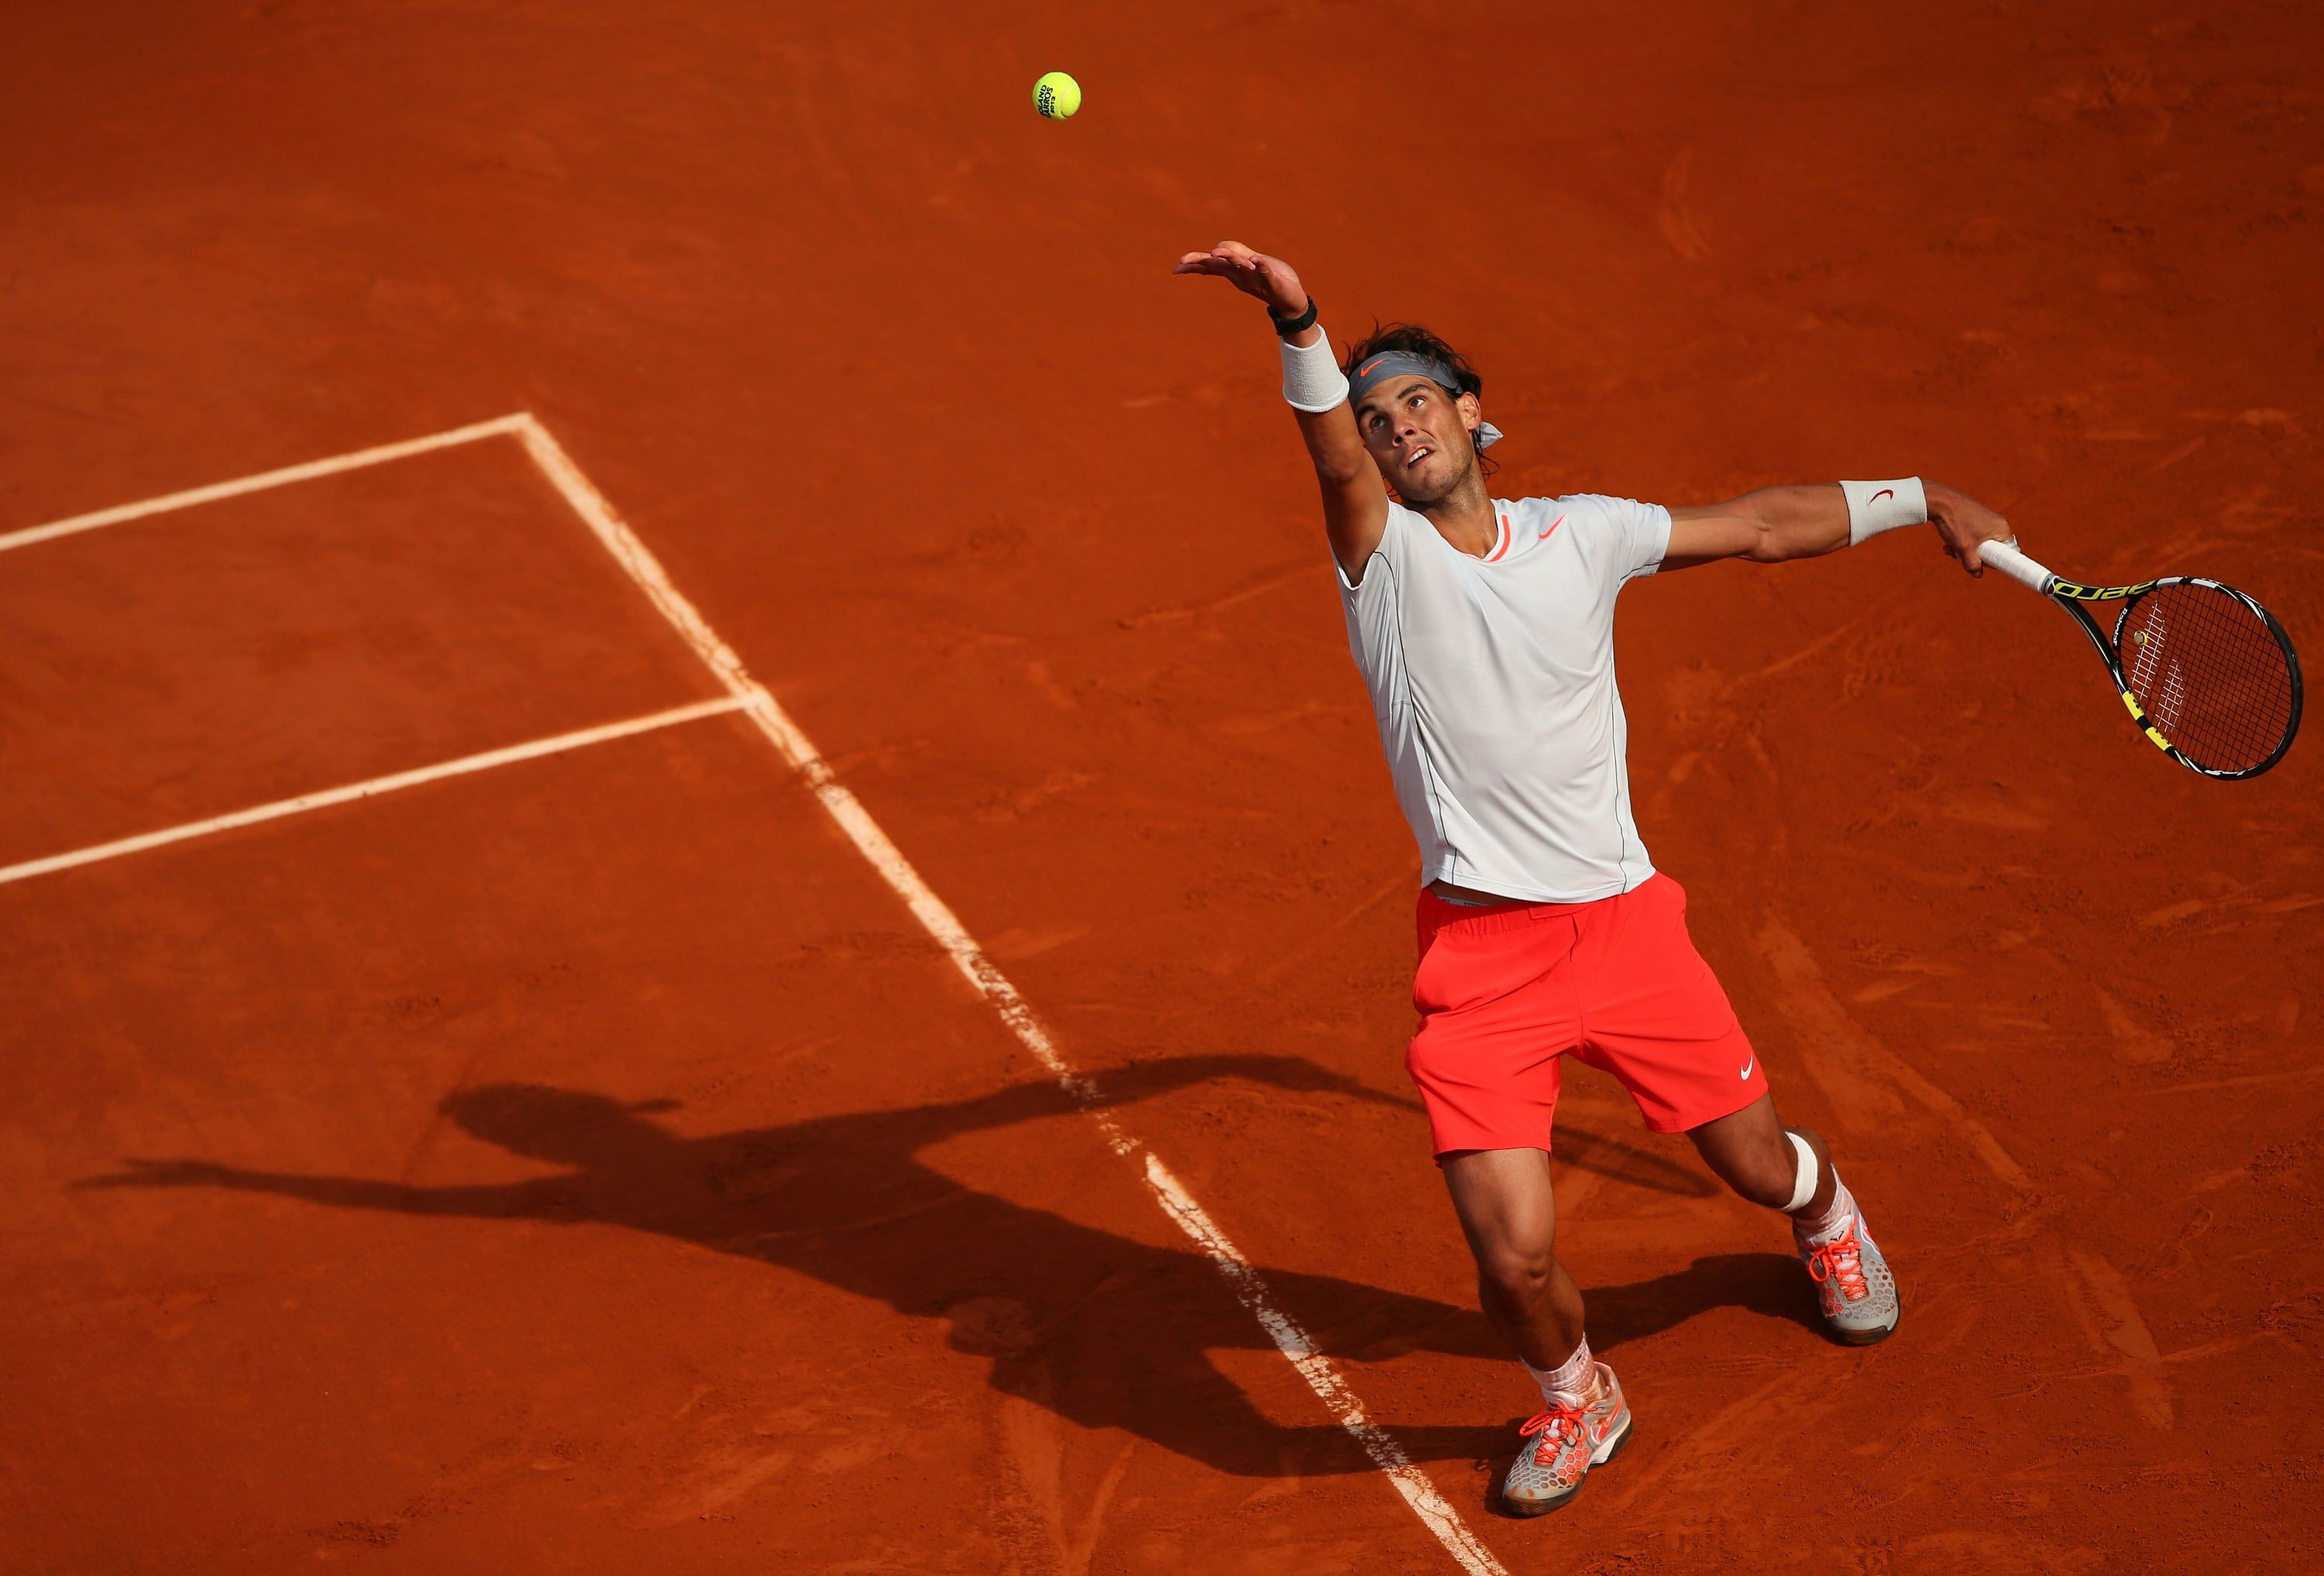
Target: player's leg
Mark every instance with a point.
(1792, 1170)
(1660, 1023)
(1509, 1216)
(1752, 1152)
(1496, 1011)
(1509, 1213)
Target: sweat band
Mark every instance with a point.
(1311, 378)
(1804, 1188)
(1873, 507)
(1403, 364)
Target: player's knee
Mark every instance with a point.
(1517, 1273)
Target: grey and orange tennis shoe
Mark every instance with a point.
(1557, 1448)
(1853, 1283)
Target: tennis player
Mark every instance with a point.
(1484, 629)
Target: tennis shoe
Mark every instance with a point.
(1853, 1284)
(1557, 1448)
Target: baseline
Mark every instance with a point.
(262, 482)
(507, 755)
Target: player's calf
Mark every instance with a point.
(1792, 1170)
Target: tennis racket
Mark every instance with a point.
(2206, 673)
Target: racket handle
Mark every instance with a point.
(2006, 558)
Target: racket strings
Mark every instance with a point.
(2210, 672)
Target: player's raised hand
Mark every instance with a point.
(1270, 279)
(1964, 522)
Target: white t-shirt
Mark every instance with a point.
(1492, 681)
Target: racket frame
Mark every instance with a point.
(2074, 596)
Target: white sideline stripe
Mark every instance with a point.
(375, 786)
(262, 482)
(1250, 1287)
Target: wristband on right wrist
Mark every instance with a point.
(1873, 507)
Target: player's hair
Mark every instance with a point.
(1412, 338)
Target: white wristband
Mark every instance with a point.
(1873, 507)
(1311, 378)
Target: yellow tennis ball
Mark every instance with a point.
(1056, 96)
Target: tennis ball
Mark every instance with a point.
(1056, 96)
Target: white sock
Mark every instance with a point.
(1816, 1230)
(1568, 1384)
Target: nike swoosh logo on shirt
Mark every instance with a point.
(1552, 526)
(1748, 1062)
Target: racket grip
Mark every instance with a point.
(2006, 558)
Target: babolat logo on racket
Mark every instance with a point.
(2098, 593)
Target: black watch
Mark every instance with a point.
(1288, 327)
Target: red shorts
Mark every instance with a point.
(1504, 992)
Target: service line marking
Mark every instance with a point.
(371, 789)
(746, 695)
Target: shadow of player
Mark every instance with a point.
(1105, 1331)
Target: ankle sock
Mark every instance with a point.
(1569, 1383)
(1816, 1230)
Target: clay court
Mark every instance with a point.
(757, 497)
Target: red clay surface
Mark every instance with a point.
(348, 627)
(590, 1166)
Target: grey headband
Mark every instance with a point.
(1401, 363)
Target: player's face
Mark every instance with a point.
(1419, 436)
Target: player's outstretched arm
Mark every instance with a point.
(1355, 499)
(1771, 525)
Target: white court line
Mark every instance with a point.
(262, 482)
(375, 786)
(747, 695)
(1250, 1287)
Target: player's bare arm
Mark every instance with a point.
(1772, 525)
(1355, 499)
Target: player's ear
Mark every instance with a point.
(1472, 413)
